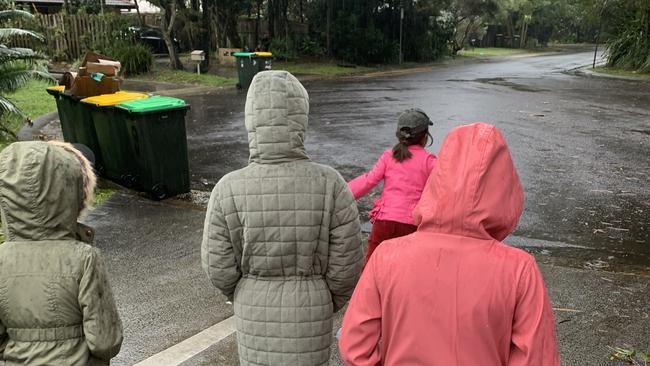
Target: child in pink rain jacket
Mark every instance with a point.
(404, 170)
(451, 293)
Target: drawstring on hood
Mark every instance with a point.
(474, 190)
(44, 187)
(277, 109)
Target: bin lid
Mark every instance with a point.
(264, 54)
(107, 100)
(155, 103)
(243, 54)
(58, 88)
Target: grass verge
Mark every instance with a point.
(185, 77)
(101, 195)
(620, 72)
(319, 68)
(493, 52)
(33, 100)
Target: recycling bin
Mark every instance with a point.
(264, 60)
(112, 135)
(157, 137)
(247, 67)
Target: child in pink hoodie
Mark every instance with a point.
(452, 293)
(404, 170)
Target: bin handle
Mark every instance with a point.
(136, 141)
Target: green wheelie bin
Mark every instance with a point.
(76, 123)
(112, 135)
(247, 67)
(156, 129)
(66, 128)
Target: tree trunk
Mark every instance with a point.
(329, 21)
(231, 29)
(206, 36)
(168, 30)
(257, 25)
(137, 9)
(302, 15)
(270, 12)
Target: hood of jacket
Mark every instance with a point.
(277, 108)
(43, 189)
(474, 190)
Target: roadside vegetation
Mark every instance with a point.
(17, 67)
(622, 72)
(492, 52)
(185, 77)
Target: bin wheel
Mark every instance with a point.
(238, 86)
(128, 180)
(159, 191)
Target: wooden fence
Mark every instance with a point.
(70, 36)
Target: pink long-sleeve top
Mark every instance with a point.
(403, 184)
(451, 293)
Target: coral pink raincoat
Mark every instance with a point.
(452, 293)
(403, 184)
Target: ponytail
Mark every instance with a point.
(401, 149)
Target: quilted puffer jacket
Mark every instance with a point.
(56, 305)
(282, 235)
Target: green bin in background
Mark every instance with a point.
(156, 129)
(247, 67)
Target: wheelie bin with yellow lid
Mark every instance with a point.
(112, 135)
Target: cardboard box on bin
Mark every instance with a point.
(81, 84)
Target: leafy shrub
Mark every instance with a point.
(630, 50)
(283, 48)
(135, 58)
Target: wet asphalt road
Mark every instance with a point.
(581, 146)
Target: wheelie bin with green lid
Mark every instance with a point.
(76, 123)
(247, 67)
(156, 128)
(112, 135)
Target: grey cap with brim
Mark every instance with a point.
(413, 121)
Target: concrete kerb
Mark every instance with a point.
(587, 71)
(31, 131)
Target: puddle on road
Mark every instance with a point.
(502, 82)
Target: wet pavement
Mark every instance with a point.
(581, 146)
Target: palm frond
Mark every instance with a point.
(7, 33)
(7, 106)
(13, 76)
(12, 54)
(13, 13)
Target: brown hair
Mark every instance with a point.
(401, 149)
(87, 174)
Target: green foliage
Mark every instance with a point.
(628, 355)
(17, 66)
(135, 58)
(283, 48)
(184, 77)
(629, 46)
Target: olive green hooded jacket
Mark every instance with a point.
(56, 305)
(282, 235)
